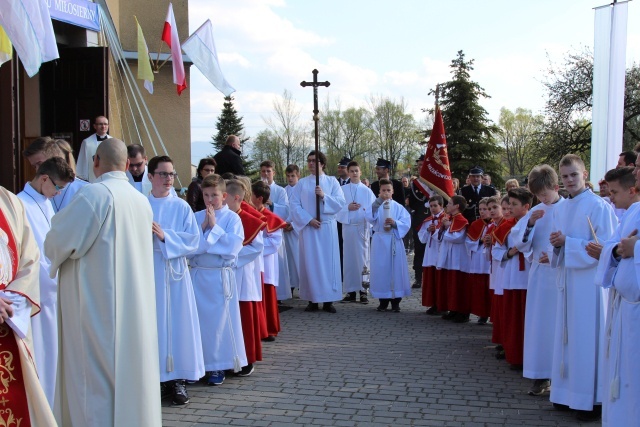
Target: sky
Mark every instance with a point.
(399, 49)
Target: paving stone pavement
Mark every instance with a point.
(360, 367)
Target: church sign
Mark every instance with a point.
(81, 13)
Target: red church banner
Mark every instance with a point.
(435, 172)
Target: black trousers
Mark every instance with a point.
(418, 255)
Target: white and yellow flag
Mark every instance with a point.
(144, 65)
(6, 48)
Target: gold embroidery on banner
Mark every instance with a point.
(7, 419)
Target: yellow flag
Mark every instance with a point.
(6, 49)
(144, 65)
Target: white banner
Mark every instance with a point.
(609, 68)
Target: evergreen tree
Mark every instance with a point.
(469, 131)
(230, 123)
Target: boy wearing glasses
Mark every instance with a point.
(84, 168)
(175, 236)
(53, 176)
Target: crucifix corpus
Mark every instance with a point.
(315, 83)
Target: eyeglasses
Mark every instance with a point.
(165, 175)
(136, 165)
(58, 188)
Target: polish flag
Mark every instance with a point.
(170, 37)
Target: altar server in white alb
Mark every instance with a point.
(64, 197)
(618, 271)
(214, 282)
(108, 348)
(279, 205)
(356, 234)
(542, 293)
(84, 168)
(320, 279)
(389, 268)
(579, 331)
(52, 176)
(175, 236)
(291, 238)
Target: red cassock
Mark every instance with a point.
(456, 281)
(269, 291)
(250, 317)
(479, 283)
(513, 304)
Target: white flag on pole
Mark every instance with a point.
(28, 25)
(202, 51)
(609, 72)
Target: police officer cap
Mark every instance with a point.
(383, 163)
(476, 170)
(344, 161)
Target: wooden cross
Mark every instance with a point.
(315, 83)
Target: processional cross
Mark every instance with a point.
(315, 83)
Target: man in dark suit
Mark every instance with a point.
(418, 204)
(382, 171)
(474, 192)
(343, 179)
(228, 159)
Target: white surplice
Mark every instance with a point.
(45, 324)
(248, 271)
(478, 262)
(542, 294)
(179, 340)
(621, 376)
(84, 163)
(356, 235)
(108, 370)
(432, 244)
(389, 267)
(65, 196)
(515, 276)
(280, 199)
(214, 283)
(292, 248)
(319, 272)
(272, 243)
(580, 312)
(453, 252)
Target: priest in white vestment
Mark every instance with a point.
(19, 268)
(175, 236)
(88, 147)
(320, 279)
(108, 345)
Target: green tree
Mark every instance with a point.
(394, 130)
(519, 135)
(230, 123)
(569, 87)
(470, 133)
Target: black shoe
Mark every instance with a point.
(328, 307)
(483, 320)
(381, 308)
(270, 338)
(499, 347)
(350, 297)
(561, 407)
(593, 415)
(416, 286)
(363, 298)
(166, 390)
(461, 318)
(450, 315)
(540, 387)
(500, 355)
(432, 311)
(180, 395)
(245, 371)
(312, 306)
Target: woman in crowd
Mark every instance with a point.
(206, 167)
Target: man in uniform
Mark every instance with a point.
(475, 191)
(382, 172)
(419, 209)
